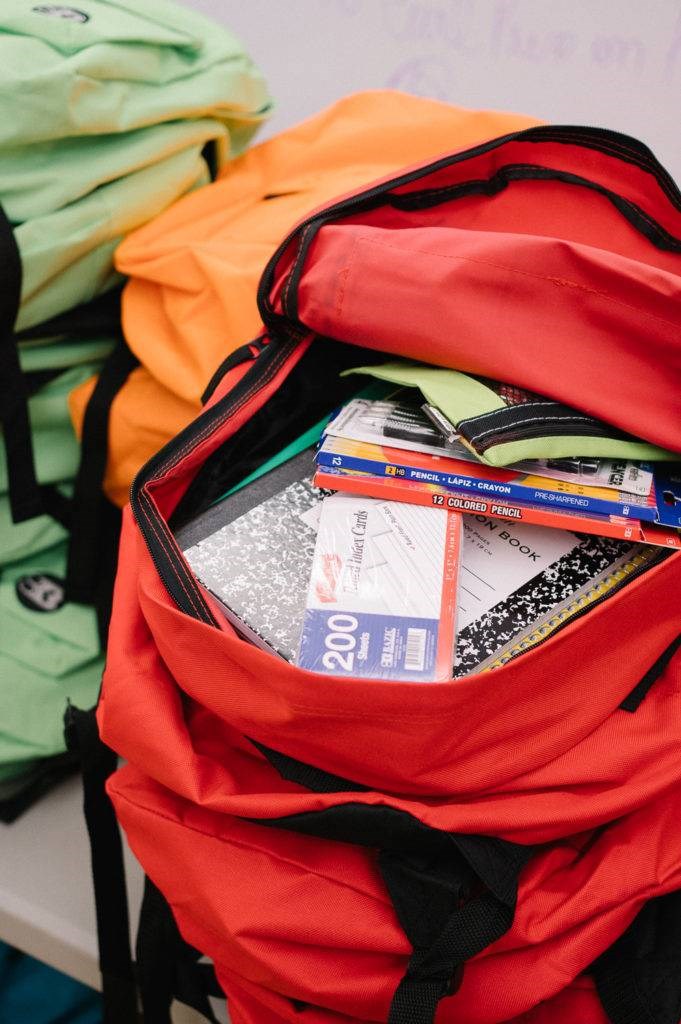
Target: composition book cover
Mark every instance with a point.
(383, 591)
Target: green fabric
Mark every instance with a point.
(102, 126)
(56, 453)
(460, 396)
(19, 540)
(46, 659)
(60, 353)
(67, 255)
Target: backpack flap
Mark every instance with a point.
(549, 258)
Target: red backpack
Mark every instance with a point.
(462, 851)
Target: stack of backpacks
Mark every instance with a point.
(502, 847)
(111, 112)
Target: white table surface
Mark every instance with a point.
(46, 897)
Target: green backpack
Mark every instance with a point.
(50, 650)
(106, 112)
(110, 112)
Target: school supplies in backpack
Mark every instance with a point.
(504, 484)
(504, 424)
(383, 592)
(458, 501)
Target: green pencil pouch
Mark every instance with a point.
(503, 424)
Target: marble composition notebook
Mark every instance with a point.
(254, 551)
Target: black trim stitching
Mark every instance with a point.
(633, 701)
(638, 218)
(426, 198)
(159, 540)
(515, 422)
(236, 358)
(644, 159)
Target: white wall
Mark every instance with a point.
(613, 63)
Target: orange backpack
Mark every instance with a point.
(194, 271)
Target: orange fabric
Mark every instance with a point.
(194, 270)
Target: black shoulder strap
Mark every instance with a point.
(451, 905)
(168, 968)
(633, 700)
(108, 868)
(639, 978)
(24, 493)
(95, 522)
(98, 318)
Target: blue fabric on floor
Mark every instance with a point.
(33, 993)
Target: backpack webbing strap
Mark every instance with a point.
(24, 493)
(307, 775)
(168, 968)
(17, 795)
(93, 530)
(435, 973)
(639, 978)
(56, 505)
(472, 921)
(633, 700)
(98, 317)
(108, 868)
(453, 894)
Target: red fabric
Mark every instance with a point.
(457, 742)
(546, 284)
(248, 1004)
(311, 919)
(533, 753)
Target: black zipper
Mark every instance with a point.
(650, 563)
(173, 571)
(236, 358)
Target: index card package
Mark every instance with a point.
(382, 596)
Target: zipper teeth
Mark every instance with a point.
(141, 497)
(428, 198)
(507, 435)
(203, 610)
(638, 571)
